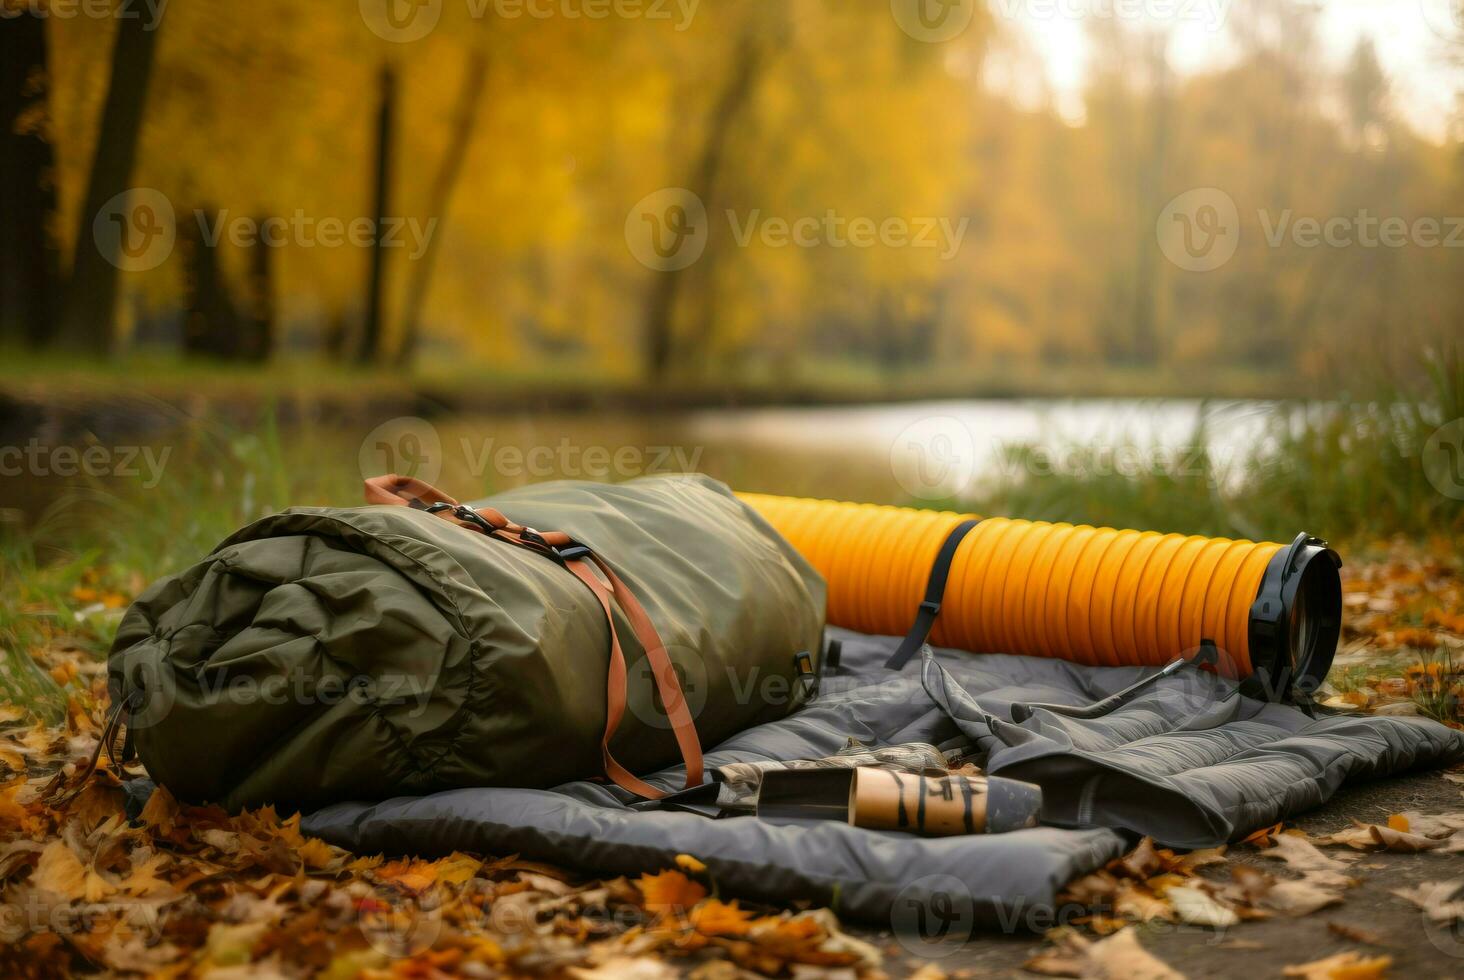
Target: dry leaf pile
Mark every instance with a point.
(1403, 639)
(1153, 884)
(192, 891)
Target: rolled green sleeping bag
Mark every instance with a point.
(325, 654)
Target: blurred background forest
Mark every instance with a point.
(940, 252)
(506, 141)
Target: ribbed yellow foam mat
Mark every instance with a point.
(1094, 595)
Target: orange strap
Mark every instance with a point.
(406, 491)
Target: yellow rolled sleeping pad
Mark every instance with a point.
(1092, 595)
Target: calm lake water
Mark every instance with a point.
(906, 453)
(914, 451)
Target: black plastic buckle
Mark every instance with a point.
(462, 512)
(807, 675)
(931, 606)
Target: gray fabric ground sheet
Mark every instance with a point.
(1190, 762)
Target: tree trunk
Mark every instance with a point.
(28, 262)
(1146, 340)
(439, 200)
(259, 307)
(660, 338)
(211, 321)
(372, 334)
(88, 316)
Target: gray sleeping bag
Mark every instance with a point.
(1190, 762)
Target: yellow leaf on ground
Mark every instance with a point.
(1356, 933)
(316, 853)
(688, 863)
(414, 876)
(669, 892)
(1403, 842)
(1343, 966)
(1301, 897)
(161, 811)
(1197, 908)
(1438, 899)
(143, 880)
(1117, 957)
(717, 918)
(1398, 821)
(1133, 901)
(1122, 957)
(60, 871)
(456, 868)
(232, 945)
(1302, 855)
(1263, 837)
(626, 968)
(1201, 859)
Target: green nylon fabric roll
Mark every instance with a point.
(325, 654)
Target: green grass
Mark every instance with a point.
(168, 376)
(1351, 471)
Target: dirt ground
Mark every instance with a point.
(1263, 948)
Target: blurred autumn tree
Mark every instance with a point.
(519, 144)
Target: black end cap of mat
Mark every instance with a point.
(1295, 621)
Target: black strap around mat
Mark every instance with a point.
(935, 586)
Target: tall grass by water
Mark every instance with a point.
(1358, 470)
